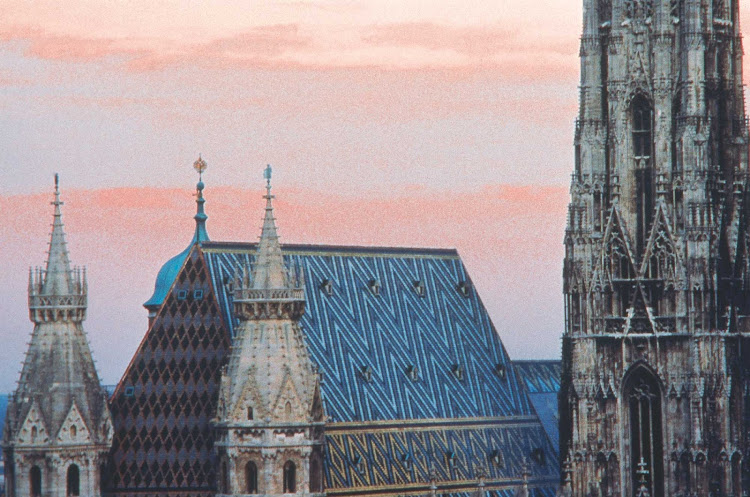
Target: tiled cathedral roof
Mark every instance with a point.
(416, 382)
(542, 379)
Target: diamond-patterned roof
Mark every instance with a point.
(415, 379)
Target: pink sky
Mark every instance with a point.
(508, 236)
(453, 117)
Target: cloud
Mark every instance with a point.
(398, 46)
(508, 236)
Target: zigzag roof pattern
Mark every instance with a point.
(416, 383)
(365, 344)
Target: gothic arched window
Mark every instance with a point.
(35, 481)
(643, 397)
(642, 127)
(642, 130)
(290, 477)
(74, 481)
(251, 478)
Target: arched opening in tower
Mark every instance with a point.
(74, 481)
(35, 477)
(290, 477)
(643, 397)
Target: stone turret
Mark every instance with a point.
(58, 428)
(270, 415)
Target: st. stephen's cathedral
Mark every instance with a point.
(275, 369)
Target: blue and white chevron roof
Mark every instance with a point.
(404, 353)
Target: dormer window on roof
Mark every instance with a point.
(497, 458)
(537, 455)
(458, 371)
(374, 287)
(419, 288)
(359, 464)
(326, 286)
(366, 372)
(406, 460)
(412, 372)
(463, 288)
(500, 370)
(450, 457)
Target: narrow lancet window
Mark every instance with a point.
(251, 478)
(74, 481)
(35, 477)
(643, 397)
(290, 477)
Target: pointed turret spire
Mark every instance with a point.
(57, 280)
(57, 293)
(58, 413)
(269, 271)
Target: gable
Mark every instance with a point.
(33, 429)
(73, 429)
(162, 407)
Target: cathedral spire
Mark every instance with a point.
(58, 428)
(269, 271)
(58, 277)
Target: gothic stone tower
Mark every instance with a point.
(270, 419)
(58, 427)
(656, 270)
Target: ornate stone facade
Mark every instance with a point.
(270, 420)
(58, 429)
(657, 274)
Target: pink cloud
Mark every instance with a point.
(510, 237)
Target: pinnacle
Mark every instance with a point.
(269, 271)
(58, 277)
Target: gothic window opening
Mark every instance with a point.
(249, 413)
(288, 410)
(290, 477)
(74, 481)
(34, 433)
(646, 448)
(642, 134)
(35, 481)
(73, 431)
(598, 212)
(251, 478)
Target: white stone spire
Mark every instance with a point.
(59, 409)
(57, 280)
(269, 271)
(270, 385)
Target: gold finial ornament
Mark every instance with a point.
(200, 165)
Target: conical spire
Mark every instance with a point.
(269, 271)
(57, 280)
